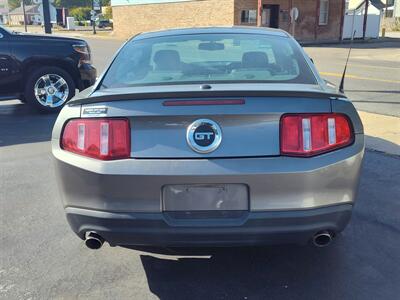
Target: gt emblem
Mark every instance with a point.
(204, 136)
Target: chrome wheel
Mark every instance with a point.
(51, 90)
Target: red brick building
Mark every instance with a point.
(317, 19)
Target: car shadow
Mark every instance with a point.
(242, 273)
(20, 124)
(382, 145)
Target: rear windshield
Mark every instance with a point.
(209, 58)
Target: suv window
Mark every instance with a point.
(209, 58)
(4, 30)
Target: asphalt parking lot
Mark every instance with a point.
(40, 257)
(373, 74)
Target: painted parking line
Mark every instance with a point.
(374, 67)
(359, 77)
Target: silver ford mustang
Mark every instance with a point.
(209, 137)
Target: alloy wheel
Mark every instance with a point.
(51, 90)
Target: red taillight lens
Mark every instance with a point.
(84, 52)
(104, 139)
(311, 134)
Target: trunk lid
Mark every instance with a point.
(249, 125)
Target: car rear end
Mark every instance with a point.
(219, 164)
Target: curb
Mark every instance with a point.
(382, 133)
(347, 42)
(86, 34)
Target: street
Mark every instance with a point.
(41, 258)
(373, 74)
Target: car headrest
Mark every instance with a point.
(254, 59)
(167, 60)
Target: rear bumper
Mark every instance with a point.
(248, 228)
(290, 199)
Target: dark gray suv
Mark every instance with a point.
(43, 71)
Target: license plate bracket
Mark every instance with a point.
(205, 197)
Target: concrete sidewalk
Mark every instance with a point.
(382, 133)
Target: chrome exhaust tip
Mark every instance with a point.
(322, 239)
(93, 241)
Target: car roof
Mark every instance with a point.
(202, 30)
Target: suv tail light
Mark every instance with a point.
(311, 134)
(104, 139)
(84, 53)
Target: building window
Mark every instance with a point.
(323, 12)
(249, 16)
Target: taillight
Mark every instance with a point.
(311, 134)
(84, 53)
(104, 139)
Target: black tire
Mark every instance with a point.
(34, 76)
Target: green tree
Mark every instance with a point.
(14, 4)
(80, 13)
(108, 13)
(72, 3)
(77, 3)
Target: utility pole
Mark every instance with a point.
(386, 9)
(46, 16)
(385, 19)
(259, 13)
(23, 10)
(365, 18)
(96, 6)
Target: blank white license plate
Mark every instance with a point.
(205, 197)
